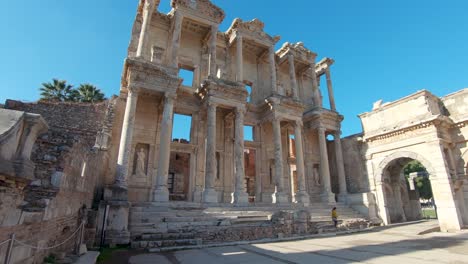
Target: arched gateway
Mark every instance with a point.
(419, 127)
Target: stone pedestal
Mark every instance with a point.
(115, 212)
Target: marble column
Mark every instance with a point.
(126, 137)
(148, 10)
(212, 47)
(240, 195)
(175, 42)
(315, 86)
(302, 196)
(272, 62)
(330, 90)
(279, 196)
(340, 167)
(209, 194)
(161, 192)
(327, 195)
(292, 75)
(239, 60)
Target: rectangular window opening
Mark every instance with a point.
(248, 87)
(181, 128)
(248, 133)
(324, 91)
(187, 75)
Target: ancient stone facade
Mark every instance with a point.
(418, 127)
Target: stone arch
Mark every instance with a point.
(394, 202)
(398, 155)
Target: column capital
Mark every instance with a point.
(211, 104)
(321, 128)
(299, 123)
(132, 91)
(170, 96)
(337, 133)
(150, 4)
(240, 109)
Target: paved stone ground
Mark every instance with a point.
(399, 244)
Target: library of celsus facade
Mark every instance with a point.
(239, 81)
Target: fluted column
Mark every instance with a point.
(213, 40)
(330, 90)
(279, 196)
(272, 62)
(239, 59)
(148, 10)
(209, 194)
(340, 166)
(315, 86)
(292, 75)
(175, 42)
(126, 139)
(161, 192)
(302, 196)
(240, 195)
(327, 194)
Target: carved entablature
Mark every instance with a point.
(223, 91)
(283, 108)
(322, 65)
(316, 117)
(298, 50)
(200, 8)
(149, 77)
(251, 29)
(442, 123)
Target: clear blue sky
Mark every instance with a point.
(383, 49)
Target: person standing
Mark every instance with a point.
(334, 216)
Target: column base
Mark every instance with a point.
(343, 198)
(280, 198)
(303, 198)
(116, 193)
(240, 198)
(328, 198)
(210, 196)
(161, 194)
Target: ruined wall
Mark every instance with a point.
(67, 176)
(354, 163)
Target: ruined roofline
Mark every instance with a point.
(323, 65)
(456, 93)
(254, 26)
(203, 8)
(400, 101)
(297, 47)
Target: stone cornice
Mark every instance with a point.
(201, 8)
(436, 122)
(298, 50)
(251, 29)
(144, 75)
(223, 89)
(323, 65)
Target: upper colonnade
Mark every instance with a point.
(158, 37)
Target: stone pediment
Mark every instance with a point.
(252, 29)
(299, 51)
(200, 8)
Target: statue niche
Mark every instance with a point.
(140, 160)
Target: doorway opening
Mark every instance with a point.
(179, 176)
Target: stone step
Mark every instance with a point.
(165, 236)
(165, 243)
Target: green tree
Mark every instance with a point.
(57, 90)
(88, 93)
(423, 184)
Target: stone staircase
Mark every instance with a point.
(181, 224)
